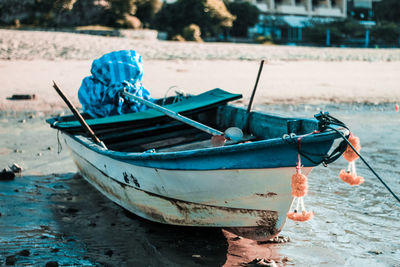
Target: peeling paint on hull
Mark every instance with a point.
(250, 202)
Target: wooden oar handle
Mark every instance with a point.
(77, 115)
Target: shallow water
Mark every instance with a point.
(57, 216)
(353, 226)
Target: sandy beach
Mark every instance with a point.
(52, 213)
(31, 60)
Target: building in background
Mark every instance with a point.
(284, 19)
(361, 9)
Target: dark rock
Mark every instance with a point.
(286, 259)
(24, 253)
(375, 252)
(69, 210)
(22, 97)
(6, 175)
(22, 121)
(11, 260)
(92, 224)
(276, 240)
(109, 253)
(54, 250)
(15, 168)
(261, 262)
(51, 264)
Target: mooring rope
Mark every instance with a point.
(365, 162)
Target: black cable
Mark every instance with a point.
(373, 171)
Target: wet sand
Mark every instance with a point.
(57, 216)
(52, 212)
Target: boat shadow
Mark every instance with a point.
(69, 221)
(115, 236)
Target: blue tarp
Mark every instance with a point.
(100, 93)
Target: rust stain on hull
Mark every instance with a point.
(269, 194)
(189, 211)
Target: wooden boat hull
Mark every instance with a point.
(250, 202)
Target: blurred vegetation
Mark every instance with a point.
(264, 39)
(211, 16)
(339, 31)
(387, 11)
(192, 33)
(348, 31)
(246, 16)
(193, 20)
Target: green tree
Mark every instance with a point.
(146, 10)
(211, 16)
(386, 32)
(387, 10)
(246, 16)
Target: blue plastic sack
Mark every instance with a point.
(100, 94)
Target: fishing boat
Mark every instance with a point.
(167, 171)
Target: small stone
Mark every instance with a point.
(49, 148)
(109, 253)
(376, 252)
(18, 150)
(196, 256)
(39, 154)
(262, 262)
(51, 264)
(22, 121)
(15, 168)
(11, 260)
(16, 190)
(286, 259)
(237, 238)
(92, 224)
(24, 253)
(6, 175)
(55, 250)
(22, 97)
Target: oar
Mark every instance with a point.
(231, 134)
(78, 116)
(255, 86)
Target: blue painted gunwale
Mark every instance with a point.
(270, 153)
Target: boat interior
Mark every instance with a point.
(165, 134)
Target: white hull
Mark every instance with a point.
(242, 199)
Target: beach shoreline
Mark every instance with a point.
(281, 82)
(31, 60)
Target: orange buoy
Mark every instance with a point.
(350, 176)
(300, 217)
(299, 185)
(299, 190)
(349, 154)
